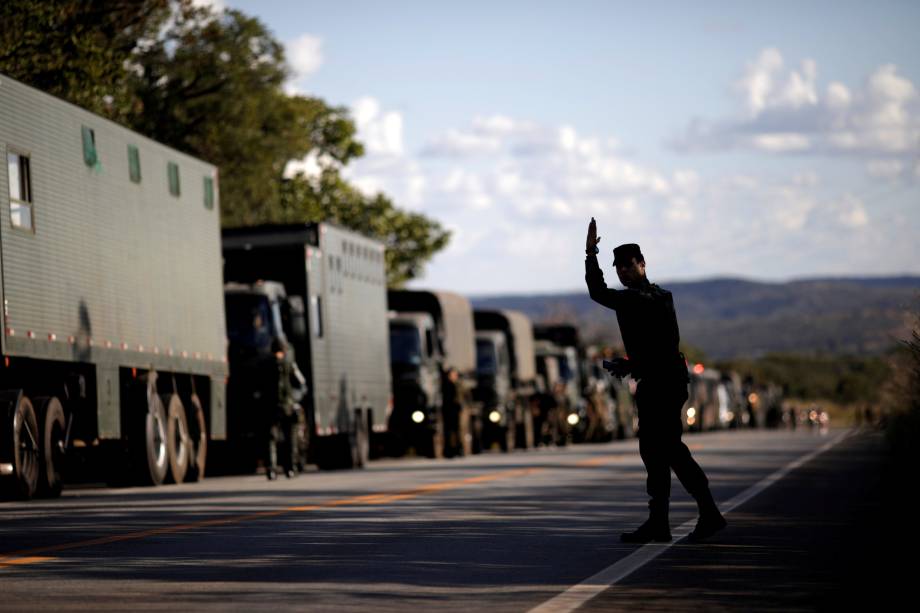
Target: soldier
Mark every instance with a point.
(648, 325)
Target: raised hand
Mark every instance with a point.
(593, 239)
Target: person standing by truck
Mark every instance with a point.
(648, 325)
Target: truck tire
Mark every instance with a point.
(148, 443)
(178, 447)
(52, 426)
(20, 432)
(198, 440)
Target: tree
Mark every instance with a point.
(410, 238)
(210, 85)
(77, 49)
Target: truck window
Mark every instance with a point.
(20, 180)
(565, 370)
(134, 164)
(429, 342)
(89, 147)
(486, 360)
(208, 193)
(172, 169)
(405, 345)
(504, 360)
(249, 321)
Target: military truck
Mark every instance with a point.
(432, 360)
(344, 354)
(113, 342)
(265, 393)
(561, 340)
(708, 405)
(506, 371)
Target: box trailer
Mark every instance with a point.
(344, 354)
(113, 336)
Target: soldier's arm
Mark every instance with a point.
(597, 288)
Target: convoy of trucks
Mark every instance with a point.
(140, 339)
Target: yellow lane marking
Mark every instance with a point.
(27, 556)
(609, 459)
(23, 561)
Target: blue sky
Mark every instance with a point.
(767, 141)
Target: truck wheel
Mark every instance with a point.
(177, 438)
(198, 440)
(20, 431)
(52, 425)
(149, 442)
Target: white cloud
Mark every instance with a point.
(380, 131)
(309, 166)
(780, 142)
(885, 169)
(850, 212)
(217, 6)
(455, 143)
(783, 112)
(304, 56)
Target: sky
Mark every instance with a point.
(768, 141)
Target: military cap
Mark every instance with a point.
(625, 253)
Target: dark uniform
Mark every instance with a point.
(648, 325)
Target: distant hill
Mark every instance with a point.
(729, 318)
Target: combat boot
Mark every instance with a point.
(656, 528)
(710, 521)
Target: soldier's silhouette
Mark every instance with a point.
(648, 325)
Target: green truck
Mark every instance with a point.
(433, 366)
(113, 343)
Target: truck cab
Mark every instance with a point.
(493, 377)
(415, 358)
(506, 375)
(265, 382)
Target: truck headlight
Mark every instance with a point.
(573, 419)
(495, 417)
(691, 413)
(418, 417)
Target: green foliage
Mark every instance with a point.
(410, 238)
(842, 379)
(77, 49)
(212, 86)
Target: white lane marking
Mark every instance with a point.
(581, 593)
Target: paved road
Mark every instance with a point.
(498, 532)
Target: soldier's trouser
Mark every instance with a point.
(660, 447)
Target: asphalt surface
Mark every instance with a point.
(498, 532)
